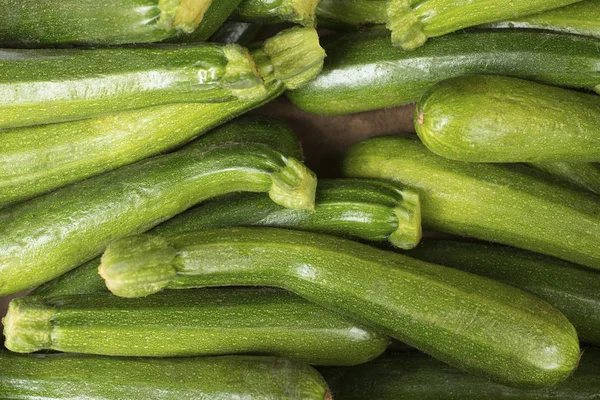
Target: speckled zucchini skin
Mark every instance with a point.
(66, 376)
(582, 176)
(214, 18)
(242, 33)
(486, 201)
(471, 322)
(277, 11)
(191, 323)
(573, 289)
(363, 71)
(500, 119)
(352, 14)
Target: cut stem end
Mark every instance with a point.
(409, 231)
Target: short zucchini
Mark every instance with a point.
(474, 323)
(191, 323)
(363, 71)
(486, 201)
(583, 176)
(66, 376)
(574, 290)
(497, 119)
(277, 11)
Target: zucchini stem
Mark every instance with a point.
(409, 231)
(29, 329)
(294, 186)
(182, 15)
(406, 27)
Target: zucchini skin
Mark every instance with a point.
(242, 33)
(368, 210)
(67, 376)
(582, 176)
(352, 14)
(413, 375)
(485, 201)
(248, 321)
(363, 71)
(52, 234)
(215, 17)
(500, 119)
(277, 11)
(449, 319)
(572, 289)
(71, 84)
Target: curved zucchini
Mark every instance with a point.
(468, 321)
(499, 119)
(413, 22)
(369, 210)
(276, 11)
(191, 323)
(416, 376)
(242, 33)
(363, 71)
(572, 289)
(36, 160)
(66, 376)
(71, 84)
(486, 201)
(583, 176)
(582, 18)
(52, 234)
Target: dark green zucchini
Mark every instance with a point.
(214, 18)
(36, 160)
(486, 201)
(476, 324)
(364, 209)
(66, 376)
(574, 290)
(497, 119)
(242, 33)
(352, 14)
(363, 71)
(582, 18)
(276, 11)
(413, 375)
(191, 323)
(583, 176)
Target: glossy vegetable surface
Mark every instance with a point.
(242, 33)
(474, 323)
(585, 176)
(277, 11)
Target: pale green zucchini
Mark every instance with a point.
(66, 376)
(476, 324)
(191, 323)
(583, 176)
(276, 11)
(486, 201)
(486, 118)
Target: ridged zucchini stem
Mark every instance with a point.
(294, 186)
(409, 231)
(277, 11)
(183, 15)
(241, 75)
(406, 27)
(33, 325)
(305, 12)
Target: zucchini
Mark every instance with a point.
(572, 289)
(485, 201)
(242, 33)
(413, 22)
(71, 84)
(47, 236)
(582, 18)
(474, 323)
(500, 119)
(34, 161)
(352, 14)
(583, 176)
(67, 376)
(368, 210)
(276, 11)
(413, 375)
(192, 323)
(214, 18)
(363, 71)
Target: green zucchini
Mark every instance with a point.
(191, 323)
(486, 201)
(486, 118)
(352, 14)
(214, 18)
(242, 33)
(71, 84)
(276, 11)
(583, 176)
(413, 22)
(368, 210)
(474, 323)
(67, 376)
(413, 375)
(582, 18)
(47, 236)
(363, 71)
(36, 160)
(572, 289)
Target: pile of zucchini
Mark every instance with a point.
(171, 248)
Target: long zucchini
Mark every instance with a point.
(363, 71)
(486, 201)
(413, 375)
(276, 11)
(52, 234)
(36, 160)
(499, 119)
(574, 290)
(191, 323)
(66, 376)
(582, 18)
(468, 321)
(584, 176)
